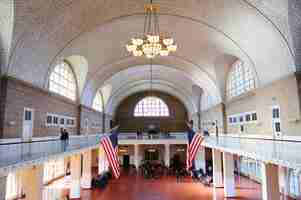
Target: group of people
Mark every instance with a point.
(64, 134)
(152, 169)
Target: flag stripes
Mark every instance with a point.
(192, 149)
(111, 155)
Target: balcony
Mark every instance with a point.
(283, 153)
(18, 155)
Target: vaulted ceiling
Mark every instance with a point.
(211, 35)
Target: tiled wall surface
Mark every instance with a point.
(91, 121)
(17, 95)
(282, 93)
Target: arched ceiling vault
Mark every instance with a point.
(46, 32)
(144, 86)
(139, 76)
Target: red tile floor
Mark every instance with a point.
(167, 188)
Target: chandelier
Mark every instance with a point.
(152, 43)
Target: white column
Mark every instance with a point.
(136, 156)
(270, 182)
(75, 169)
(107, 164)
(3, 179)
(32, 182)
(87, 169)
(229, 178)
(200, 160)
(217, 168)
(101, 160)
(283, 188)
(167, 155)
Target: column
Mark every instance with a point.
(167, 155)
(32, 182)
(270, 182)
(200, 160)
(229, 178)
(217, 168)
(3, 179)
(101, 160)
(136, 156)
(75, 169)
(283, 188)
(87, 169)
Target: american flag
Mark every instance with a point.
(110, 146)
(194, 143)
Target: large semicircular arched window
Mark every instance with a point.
(151, 107)
(62, 81)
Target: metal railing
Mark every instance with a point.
(13, 155)
(145, 136)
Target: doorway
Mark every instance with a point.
(126, 161)
(276, 122)
(151, 154)
(28, 119)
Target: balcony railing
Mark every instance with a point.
(21, 154)
(159, 136)
(283, 153)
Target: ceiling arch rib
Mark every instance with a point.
(6, 31)
(137, 74)
(184, 77)
(160, 86)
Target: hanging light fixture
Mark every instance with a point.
(151, 78)
(152, 43)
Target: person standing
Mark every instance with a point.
(64, 139)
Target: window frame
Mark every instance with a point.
(240, 80)
(161, 108)
(63, 78)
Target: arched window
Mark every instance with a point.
(97, 102)
(62, 81)
(240, 80)
(151, 107)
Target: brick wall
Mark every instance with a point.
(128, 123)
(91, 121)
(15, 95)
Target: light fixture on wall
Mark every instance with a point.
(152, 43)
